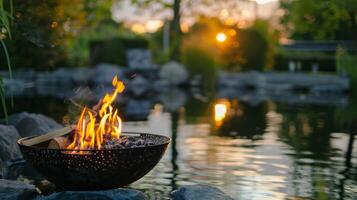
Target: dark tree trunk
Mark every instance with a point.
(176, 31)
(353, 25)
(176, 19)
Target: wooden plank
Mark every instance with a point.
(47, 136)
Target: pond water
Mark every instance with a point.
(269, 149)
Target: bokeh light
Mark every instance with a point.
(221, 37)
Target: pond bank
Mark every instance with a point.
(283, 81)
(18, 190)
(140, 83)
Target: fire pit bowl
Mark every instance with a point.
(96, 169)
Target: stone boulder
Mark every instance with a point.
(9, 151)
(116, 194)
(63, 76)
(16, 190)
(104, 73)
(139, 85)
(28, 124)
(174, 72)
(13, 87)
(82, 75)
(199, 192)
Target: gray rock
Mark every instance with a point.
(139, 85)
(16, 190)
(139, 58)
(199, 192)
(45, 78)
(174, 72)
(83, 74)
(116, 194)
(104, 73)
(9, 151)
(28, 124)
(63, 76)
(13, 87)
(14, 170)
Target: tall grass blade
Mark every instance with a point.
(3, 102)
(9, 68)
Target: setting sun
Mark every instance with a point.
(221, 37)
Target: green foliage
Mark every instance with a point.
(347, 64)
(5, 21)
(244, 49)
(40, 28)
(175, 28)
(113, 50)
(203, 36)
(319, 19)
(98, 25)
(271, 36)
(250, 53)
(200, 62)
(58, 33)
(107, 51)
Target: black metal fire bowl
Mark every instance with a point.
(95, 169)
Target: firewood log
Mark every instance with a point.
(59, 143)
(47, 137)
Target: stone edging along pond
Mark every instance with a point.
(18, 190)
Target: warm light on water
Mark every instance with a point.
(271, 166)
(220, 111)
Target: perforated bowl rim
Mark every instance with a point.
(167, 140)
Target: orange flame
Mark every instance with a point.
(91, 128)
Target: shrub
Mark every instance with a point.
(199, 62)
(113, 50)
(252, 50)
(347, 64)
(38, 31)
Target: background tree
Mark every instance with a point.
(59, 31)
(175, 28)
(349, 6)
(40, 28)
(187, 8)
(319, 19)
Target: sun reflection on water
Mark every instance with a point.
(264, 168)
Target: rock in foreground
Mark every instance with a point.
(117, 194)
(28, 124)
(199, 192)
(9, 151)
(16, 190)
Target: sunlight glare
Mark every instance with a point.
(221, 37)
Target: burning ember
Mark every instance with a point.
(99, 125)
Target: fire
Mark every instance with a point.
(101, 121)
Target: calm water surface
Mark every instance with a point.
(265, 150)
